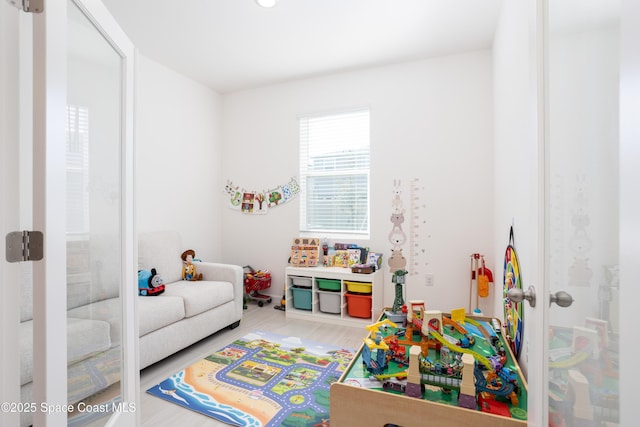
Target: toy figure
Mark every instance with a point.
(150, 282)
(189, 271)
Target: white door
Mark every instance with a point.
(584, 223)
(74, 185)
(9, 212)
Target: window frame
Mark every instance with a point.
(362, 170)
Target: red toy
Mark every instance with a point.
(255, 281)
(488, 404)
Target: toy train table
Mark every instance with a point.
(438, 369)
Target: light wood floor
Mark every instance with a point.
(156, 412)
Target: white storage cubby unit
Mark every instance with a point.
(302, 283)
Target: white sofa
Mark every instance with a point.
(184, 314)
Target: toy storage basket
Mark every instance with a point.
(301, 298)
(255, 281)
(358, 305)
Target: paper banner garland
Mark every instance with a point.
(256, 202)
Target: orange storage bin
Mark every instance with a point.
(358, 305)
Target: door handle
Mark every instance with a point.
(518, 295)
(562, 298)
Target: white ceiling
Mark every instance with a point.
(231, 45)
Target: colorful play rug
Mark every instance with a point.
(261, 379)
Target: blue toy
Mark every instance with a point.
(150, 283)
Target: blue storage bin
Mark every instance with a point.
(301, 298)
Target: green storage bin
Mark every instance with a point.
(328, 284)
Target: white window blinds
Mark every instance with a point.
(77, 132)
(334, 172)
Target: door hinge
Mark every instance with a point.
(24, 246)
(32, 6)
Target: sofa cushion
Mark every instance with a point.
(93, 267)
(200, 296)
(107, 310)
(158, 311)
(85, 338)
(153, 313)
(161, 250)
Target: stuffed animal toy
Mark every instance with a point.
(150, 283)
(189, 271)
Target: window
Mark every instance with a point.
(77, 131)
(334, 173)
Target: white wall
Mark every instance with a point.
(431, 120)
(178, 162)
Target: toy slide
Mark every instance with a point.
(398, 375)
(571, 361)
(483, 330)
(480, 358)
(449, 322)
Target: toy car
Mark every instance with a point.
(393, 386)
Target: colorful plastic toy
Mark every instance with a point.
(150, 283)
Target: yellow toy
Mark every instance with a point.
(189, 271)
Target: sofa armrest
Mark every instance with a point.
(224, 273)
